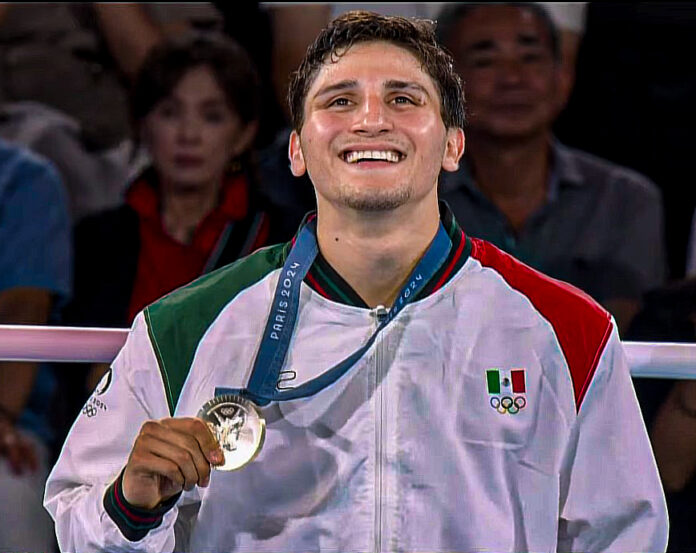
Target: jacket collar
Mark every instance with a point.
(326, 281)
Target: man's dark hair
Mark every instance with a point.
(169, 61)
(452, 14)
(415, 35)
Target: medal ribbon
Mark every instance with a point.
(262, 387)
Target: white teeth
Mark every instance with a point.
(378, 155)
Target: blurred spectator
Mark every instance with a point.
(633, 101)
(65, 69)
(294, 196)
(669, 407)
(691, 249)
(79, 57)
(35, 262)
(95, 180)
(250, 25)
(294, 27)
(198, 205)
(569, 18)
(572, 215)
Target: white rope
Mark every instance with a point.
(60, 343)
(661, 360)
(100, 345)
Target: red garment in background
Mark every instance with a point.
(165, 264)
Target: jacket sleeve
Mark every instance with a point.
(82, 492)
(611, 497)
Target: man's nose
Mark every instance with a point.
(373, 117)
(511, 72)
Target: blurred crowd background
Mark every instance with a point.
(143, 145)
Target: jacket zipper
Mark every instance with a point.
(380, 313)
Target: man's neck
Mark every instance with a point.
(514, 175)
(376, 252)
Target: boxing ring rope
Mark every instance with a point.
(100, 345)
(60, 343)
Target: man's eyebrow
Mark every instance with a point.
(405, 85)
(337, 87)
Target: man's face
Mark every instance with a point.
(373, 138)
(511, 80)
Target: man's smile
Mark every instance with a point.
(357, 156)
(372, 154)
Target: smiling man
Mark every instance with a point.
(393, 384)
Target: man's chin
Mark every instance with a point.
(375, 203)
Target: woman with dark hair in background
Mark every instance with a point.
(196, 206)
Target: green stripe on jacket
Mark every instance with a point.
(177, 322)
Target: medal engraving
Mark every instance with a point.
(238, 427)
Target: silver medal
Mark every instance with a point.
(238, 426)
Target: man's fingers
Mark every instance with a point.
(169, 470)
(178, 449)
(186, 434)
(150, 464)
(199, 430)
(192, 472)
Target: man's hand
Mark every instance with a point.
(20, 452)
(169, 455)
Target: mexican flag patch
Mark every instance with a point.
(507, 390)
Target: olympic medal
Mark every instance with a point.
(238, 427)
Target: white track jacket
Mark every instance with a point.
(414, 449)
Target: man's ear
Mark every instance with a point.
(454, 149)
(297, 162)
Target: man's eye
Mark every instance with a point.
(340, 102)
(403, 100)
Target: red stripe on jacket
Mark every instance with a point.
(581, 325)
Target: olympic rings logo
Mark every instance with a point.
(506, 404)
(89, 410)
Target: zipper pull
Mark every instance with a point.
(380, 313)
